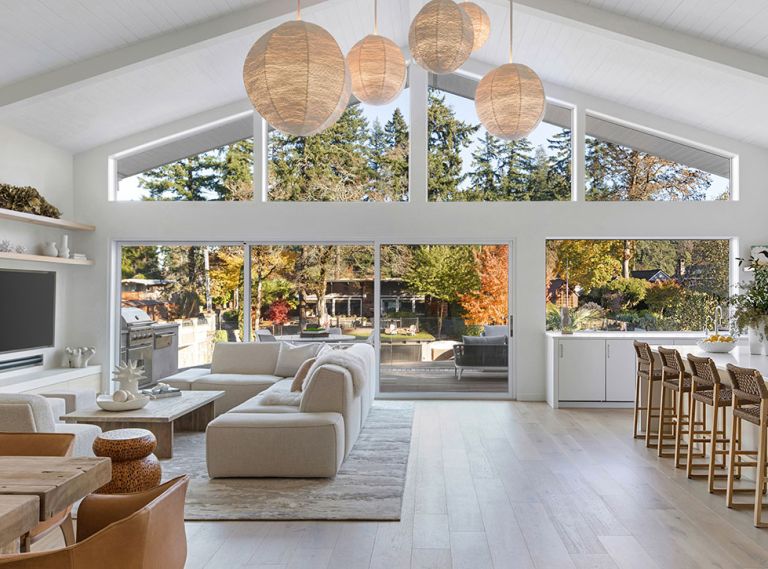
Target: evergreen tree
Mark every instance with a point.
(237, 170)
(140, 262)
(396, 163)
(561, 154)
(329, 166)
(197, 178)
(484, 177)
(515, 165)
(537, 182)
(448, 136)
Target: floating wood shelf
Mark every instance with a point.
(42, 220)
(44, 259)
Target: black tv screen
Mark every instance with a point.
(27, 309)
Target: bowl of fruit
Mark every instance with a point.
(717, 344)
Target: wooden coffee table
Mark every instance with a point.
(190, 412)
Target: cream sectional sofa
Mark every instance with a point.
(262, 430)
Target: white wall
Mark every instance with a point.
(25, 161)
(527, 224)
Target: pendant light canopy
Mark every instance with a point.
(377, 67)
(510, 100)
(481, 23)
(297, 78)
(441, 36)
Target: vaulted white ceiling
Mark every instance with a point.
(79, 73)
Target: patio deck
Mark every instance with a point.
(438, 377)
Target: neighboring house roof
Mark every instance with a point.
(651, 275)
(556, 284)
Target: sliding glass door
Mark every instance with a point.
(444, 319)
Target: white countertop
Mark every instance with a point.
(739, 356)
(628, 335)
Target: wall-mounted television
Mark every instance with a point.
(27, 310)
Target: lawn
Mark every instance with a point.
(365, 332)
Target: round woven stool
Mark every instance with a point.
(134, 467)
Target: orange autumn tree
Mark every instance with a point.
(488, 304)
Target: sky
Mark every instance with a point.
(129, 189)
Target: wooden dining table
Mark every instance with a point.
(55, 482)
(18, 515)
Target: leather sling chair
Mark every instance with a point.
(143, 530)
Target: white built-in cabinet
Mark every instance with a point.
(597, 371)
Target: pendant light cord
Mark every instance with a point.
(298, 9)
(511, 27)
(376, 17)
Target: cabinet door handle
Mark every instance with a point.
(608, 350)
(561, 350)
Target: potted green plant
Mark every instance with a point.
(750, 308)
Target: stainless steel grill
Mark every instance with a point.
(153, 345)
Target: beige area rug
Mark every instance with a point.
(369, 485)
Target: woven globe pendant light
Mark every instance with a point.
(481, 23)
(297, 78)
(377, 67)
(510, 100)
(441, 36)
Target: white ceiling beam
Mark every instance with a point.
(648, 36)
(139, 53)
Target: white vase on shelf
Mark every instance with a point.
(50, 249)
(64, 251)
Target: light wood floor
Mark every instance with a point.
(512, 485)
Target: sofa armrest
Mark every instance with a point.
(74, 400)
(58, 407)
(327, 391)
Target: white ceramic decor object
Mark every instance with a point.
(128, 375)
(64, 251)
(106, 403)
(50, 249)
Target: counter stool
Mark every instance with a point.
(646, 372)
(750, 403)
(673, 410)
(707, 390)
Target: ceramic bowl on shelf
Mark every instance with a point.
(108, 404)
(722, 346)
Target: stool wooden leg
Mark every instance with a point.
(636, 413)
(713, 446)
(648, 413)
(732, 458)
(760, 475)
(679, 424)
(663, 396)
(691, 433)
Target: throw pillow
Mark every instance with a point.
(290, 358)
(301, 374)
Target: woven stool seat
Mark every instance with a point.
(675, 383)
(749, 413)
(708, 396)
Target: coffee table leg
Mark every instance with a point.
(196, 420)
(164, 434)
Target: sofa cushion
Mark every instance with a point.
(237, 388)
(84, 436)
(245, 358)
(184, 379)
(301, 374)
(275, 445)
(255, 405)
(290, 358)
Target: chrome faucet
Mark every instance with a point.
(718, 318)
